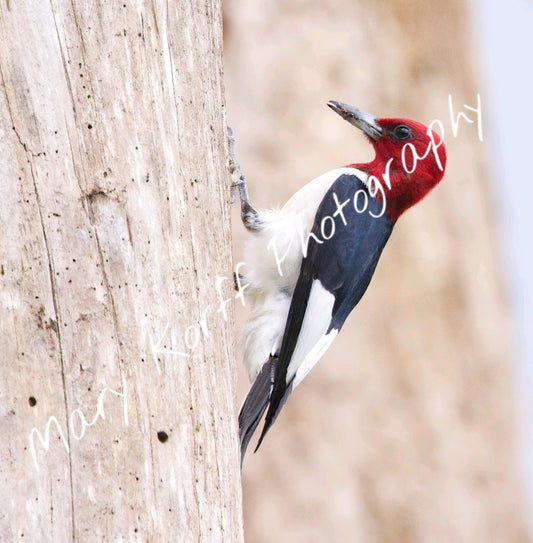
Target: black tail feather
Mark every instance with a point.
(272, 415)
(256, 403)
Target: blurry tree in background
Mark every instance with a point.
(405, 431)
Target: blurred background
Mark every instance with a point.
(417, 425)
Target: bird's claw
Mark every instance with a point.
(238, 179)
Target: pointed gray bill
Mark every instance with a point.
(361, 119)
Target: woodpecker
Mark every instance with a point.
(310, 262)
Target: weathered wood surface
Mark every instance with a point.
(114, 247)
(405, 431)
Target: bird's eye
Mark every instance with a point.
(402, 132)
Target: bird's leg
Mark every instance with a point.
(250, 217)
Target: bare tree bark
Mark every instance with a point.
(116, 393)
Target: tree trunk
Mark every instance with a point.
(117, 393)
(404, 432)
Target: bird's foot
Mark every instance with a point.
(249, 216)
(237, 177)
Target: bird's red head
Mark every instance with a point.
(410, 158)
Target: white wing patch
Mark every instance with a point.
(313, 341)
(313, 356)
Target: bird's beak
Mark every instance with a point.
(361, 119)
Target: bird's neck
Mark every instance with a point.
(401, 190)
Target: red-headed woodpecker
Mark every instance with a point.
(310, 262)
